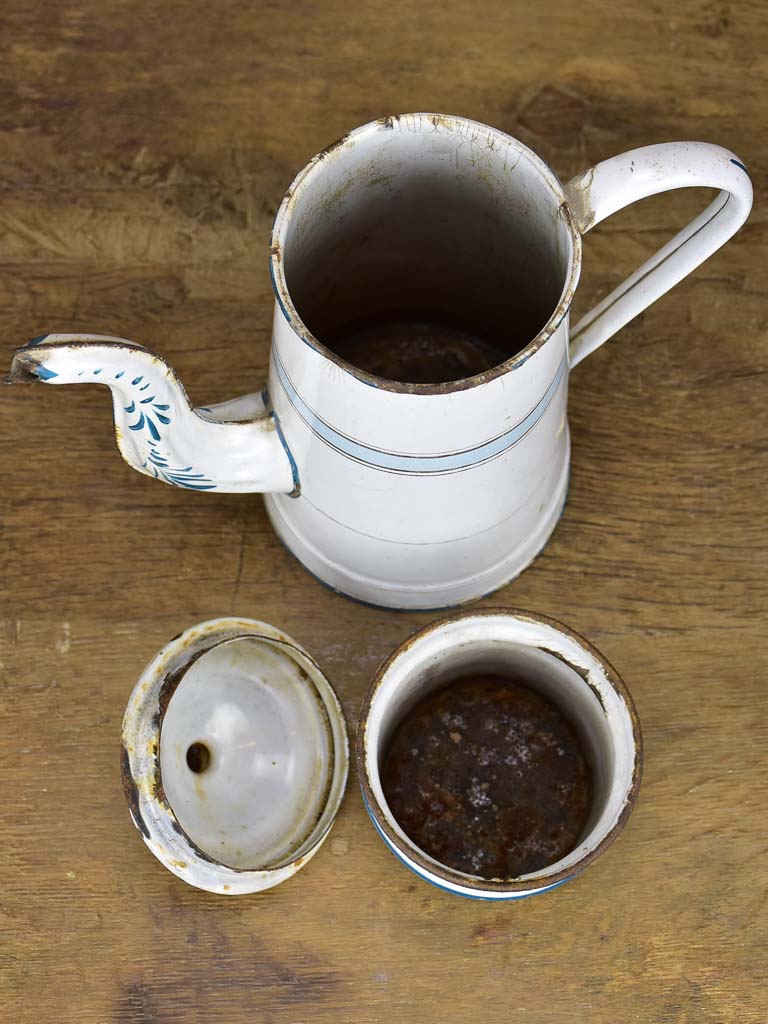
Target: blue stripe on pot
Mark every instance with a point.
(405, 463)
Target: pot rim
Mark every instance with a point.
(445, 123)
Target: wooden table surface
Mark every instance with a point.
(144, 150)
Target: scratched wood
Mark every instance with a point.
(144, 150)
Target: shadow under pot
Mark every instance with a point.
(499, 754)
(234, 756)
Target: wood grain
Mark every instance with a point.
(144, 150)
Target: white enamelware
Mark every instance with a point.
(412, 495)
(234, 756)
(565, 669)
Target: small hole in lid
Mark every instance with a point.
(198, 757)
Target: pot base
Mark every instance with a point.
(429, 595)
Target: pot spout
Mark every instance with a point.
(235, 446)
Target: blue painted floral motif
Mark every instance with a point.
(180, 477)
(145, 420)
(148, 418)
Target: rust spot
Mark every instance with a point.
(276, 251)
(131, 792)
(580, 672)
(577, 193)
(226, 888)
(325, 153)
(441, 121)
(179, 863)
(22, 370)
(167, 690)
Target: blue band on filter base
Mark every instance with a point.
(419, 464)
(446, 888)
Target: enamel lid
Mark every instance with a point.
(235, 756)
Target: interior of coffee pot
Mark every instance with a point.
(424, 249)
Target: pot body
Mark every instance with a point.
(423, 495)
(413, 495)
(419, 500)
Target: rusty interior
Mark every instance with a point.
(547, 675)
(489, 777)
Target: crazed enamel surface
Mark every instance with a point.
(235, 756)
(410, 496)
(556, 662)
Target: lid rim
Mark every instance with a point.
(149, 807)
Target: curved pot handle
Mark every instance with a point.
(613, 184)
